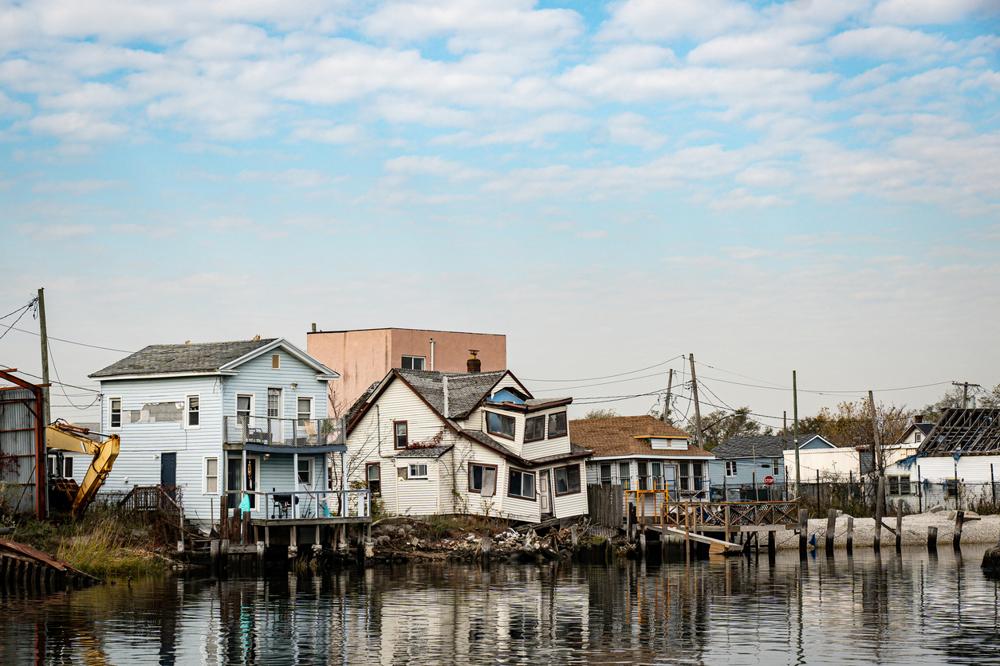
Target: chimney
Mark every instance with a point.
(473, 364)
(444, 383)
(918, 418)
(314, 327)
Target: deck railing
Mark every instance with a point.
(306, 504)
(283, 432)
(657, 507)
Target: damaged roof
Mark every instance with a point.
(972, 431)
(465, 390)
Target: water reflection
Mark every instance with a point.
(907, 608)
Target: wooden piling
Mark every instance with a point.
(831, 530)
(879, 510)
(850, 535)
(899, 525)
(803, 531)
(932, 532)
(957, 539)
(770, 545)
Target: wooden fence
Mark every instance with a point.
(606, 505)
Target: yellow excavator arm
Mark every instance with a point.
(68, 437)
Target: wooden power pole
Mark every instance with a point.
(880, 474)
(965, 392)
(666, 405)
(795, 429)
(697, 405)
(43, 330)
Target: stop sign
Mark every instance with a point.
(768, 480)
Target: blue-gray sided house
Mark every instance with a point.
(748, 461)
(190, 416)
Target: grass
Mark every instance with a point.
(103, 544)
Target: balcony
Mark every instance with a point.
(264, 433)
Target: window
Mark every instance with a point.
(643, 476)
(521, 485)
(373, 474)
(116, 412)
(500, 425)
(605, 474)
(917, 436)
(67, 467)
(482, 479)
(413, 363)
(657, 470)
(305, 470)
(211, 476)
(624, 475)
(534, 428)
(193, 411)
(567, 480)
(274, 403)
(557, 424)
(898, 485)
(699, 479)
(305, 410)
(685, 469)
(401, 435)
(275, 361)
(951, 488)
(730, 468)
(417, 471)
(244, 409)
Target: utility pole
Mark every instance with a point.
(880, 470)
(43, 330)
(795, 429)
(965, 391)
(666, 405)
(697, 406)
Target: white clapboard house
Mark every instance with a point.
(477, 442)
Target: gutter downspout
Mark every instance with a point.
(445, 383)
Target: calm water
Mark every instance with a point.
(907, 609)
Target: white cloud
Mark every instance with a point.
(76, 126)
(10, 107)
(656, 20)
(326, 132)
(780, 47)
(420, 165)
(57, 231)
(743, 198)
(287, 177)
(888, 43)
(78, 187)
(929, 12)
(633, 129)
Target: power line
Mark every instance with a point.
(616, 381)
(29, 374)
(24, 311)
(620, 374)
(30, 303)
(776, 387)
(63, 388)
(73, 342)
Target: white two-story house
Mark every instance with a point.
(191, 416)
(454, 443)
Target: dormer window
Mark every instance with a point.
(500, 425)
(534, 428)
(557, 425)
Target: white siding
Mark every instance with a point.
(575, 504)
(142, 444)
(257, 375)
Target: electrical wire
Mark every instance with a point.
(30, 303)
(616, 381)
(23, 372)
(620, 374)
(24, 311)
(73, 342)
(55, 368)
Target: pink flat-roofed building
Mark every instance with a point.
(364, 356)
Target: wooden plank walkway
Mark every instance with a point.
(715, 545)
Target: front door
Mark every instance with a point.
(274, 414)
(544, 494)
(233, 481)
(168, 473)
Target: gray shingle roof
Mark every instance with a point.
(164, 359)
(424, 452)
(465, 390)
(763, 446)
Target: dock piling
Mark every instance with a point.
(850, 535)
(957, 539)
(831, 530)
(899, 525)
(803, 531)
(932, 533)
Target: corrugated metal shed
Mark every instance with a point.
(19, 443)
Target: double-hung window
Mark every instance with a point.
(211, 476)
(624, 475)
(417, 471)
(304, 410)
(193, 416)
(730, 468)
(521, 485)
(605, 474)
(643, 475)
(500, 425)
(400, 434)
(534, 428)
(304, 471)
(244, 409)
(567, 480)
(373, 473)
(115, 410)
(557, 424)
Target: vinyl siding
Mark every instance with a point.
(142, 444)
(257, 375)
(417, 497)
(565, 506)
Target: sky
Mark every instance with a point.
(806, 185)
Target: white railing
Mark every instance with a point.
(298, 504)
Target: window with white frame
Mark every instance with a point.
(211, 476)
(730, 468)
(521, 485)
(416, 471)
(917, 436)
(305, 410)
(244, 409)
(193, 416)
(413, 363)
(624, 474)
(482, 479)
(305, 470)
(115, 411)
(605, 474)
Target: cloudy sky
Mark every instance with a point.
(807, 185)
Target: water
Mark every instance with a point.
(908, 609)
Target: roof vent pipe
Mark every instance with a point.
(474, 364)
(432, 354)
(444, 381)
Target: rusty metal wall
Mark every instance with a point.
(17, 450)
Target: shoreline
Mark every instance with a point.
(981, 530)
